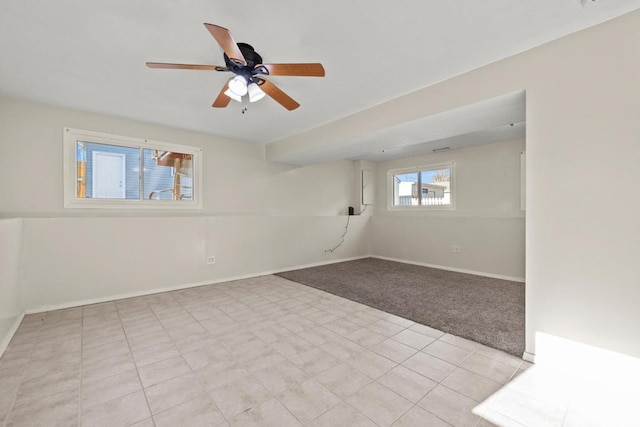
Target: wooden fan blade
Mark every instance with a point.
(222, 100)
(226, 42)
(186, 66)
(306, 70)
(278, 95)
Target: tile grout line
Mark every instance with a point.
(24, 373)
(440, 383)
(383, 356)
(136, 365)
(415, 404)
(502, 385)
(515, 373)
(162, 325)
(206, 392)
(399, 364)
(288, 311)
(343, 336)
(274, 396)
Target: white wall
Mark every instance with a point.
(236, 177)
(11, 294)
(258, 216)
(582, 228)
(73, 260)
(487, 223)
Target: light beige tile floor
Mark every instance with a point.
(259, 352)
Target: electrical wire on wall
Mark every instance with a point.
(346, 230)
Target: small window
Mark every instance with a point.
(109, 171)
(427, 187)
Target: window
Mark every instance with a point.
(109, 171)
(422, 187)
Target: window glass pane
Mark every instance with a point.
(436, 187)
(106, 171)
(112, 171)
(405, 189)
(167, 175)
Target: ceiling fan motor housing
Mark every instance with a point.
(252, 58)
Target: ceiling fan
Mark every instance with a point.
(249, 82)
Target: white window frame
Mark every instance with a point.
(71, 136)
(418, 169)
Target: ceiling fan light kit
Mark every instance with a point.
(250, 73)
(238, 85)
(255, 93)
(229, 93)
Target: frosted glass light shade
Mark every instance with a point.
(255, 93)
(238, 85)
(232, 95)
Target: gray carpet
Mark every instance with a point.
(486, 310)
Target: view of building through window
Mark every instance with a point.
(106, 171)
(427, 187)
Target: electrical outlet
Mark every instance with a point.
(211, 260)
(455, 249)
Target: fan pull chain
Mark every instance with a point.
(245, 103)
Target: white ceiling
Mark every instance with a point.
(91, 55)
(498, 119)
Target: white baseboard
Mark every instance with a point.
(529, 357)
(12, 331)
(457, 270)
(78, 303)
